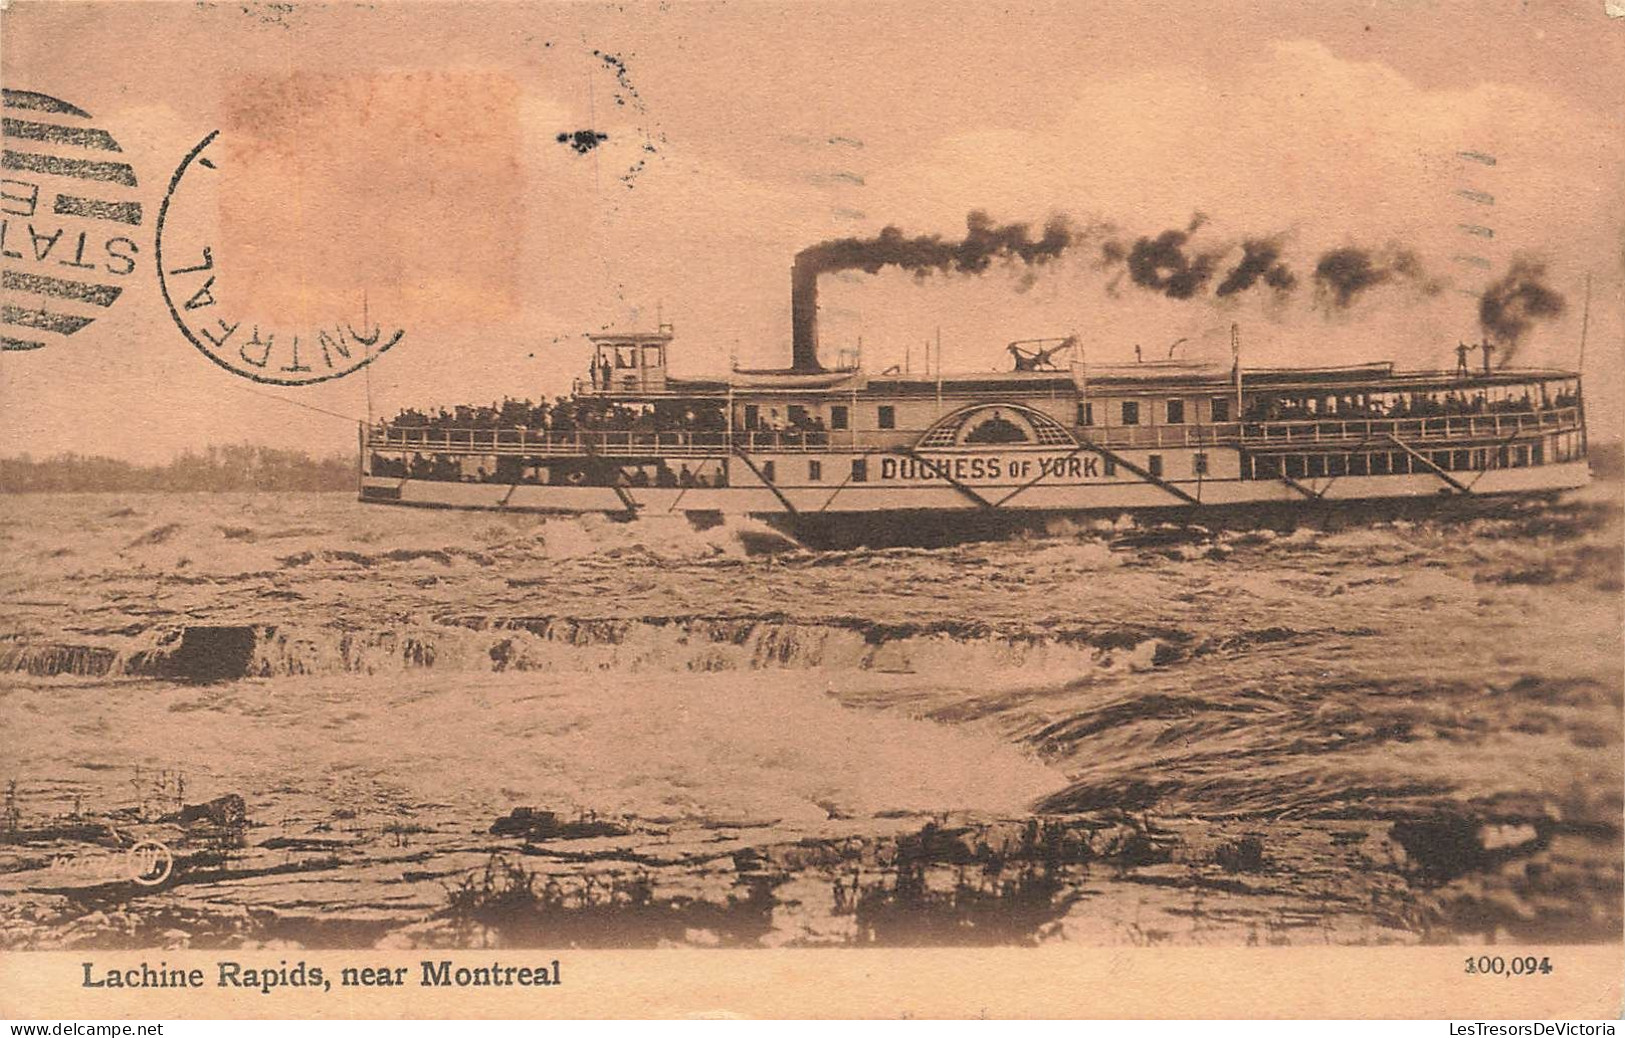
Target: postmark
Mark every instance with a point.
(194, 276)
(69, 214)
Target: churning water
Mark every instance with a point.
(336, 717)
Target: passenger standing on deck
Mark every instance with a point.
(1462, 349)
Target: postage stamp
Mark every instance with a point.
(806, 509)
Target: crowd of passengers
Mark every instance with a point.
(565, 417)
(447, 469)
(1416, 405)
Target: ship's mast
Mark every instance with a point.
(366, 351)
(939, 369)
(1235, 357)
(1585, 324)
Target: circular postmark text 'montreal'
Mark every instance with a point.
(193, 275)
(68, 214)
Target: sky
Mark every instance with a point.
(405, 160)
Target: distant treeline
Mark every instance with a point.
(241, 467)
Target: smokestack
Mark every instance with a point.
(804, 316)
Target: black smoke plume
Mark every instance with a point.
(1343, 274)
(1167, 264)
(1260, 261)
(1511, 306)
(984, 243)
(1161, 264)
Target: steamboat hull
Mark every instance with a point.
(880, 514)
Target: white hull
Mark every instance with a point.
(1127, 493)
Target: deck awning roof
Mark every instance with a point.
(1125, 379)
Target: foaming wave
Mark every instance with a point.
(942, 652)
(719, 748)
(239, 535)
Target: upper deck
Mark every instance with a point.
(625, 443)
(632, 408)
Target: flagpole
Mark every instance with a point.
(1585, 324)
(366, 353)
(1235, 356)
(939, 369)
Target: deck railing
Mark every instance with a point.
(632, 443)
(1337, 430)
(611, 443)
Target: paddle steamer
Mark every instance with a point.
(810, 444)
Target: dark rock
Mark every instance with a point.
(227, 812)
(532, 824)
(1447, 847)
(211, 654)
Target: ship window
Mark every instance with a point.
(837, 416)
(651, 356)
(815, 471)
(860, 470)
(1317, 466)
(798, 415)
(1221, 409)
(1176, 412)
(767, 472)
(1109, 466)
(1086, 413)
(1154, 466)
(1199, 463)
(888, 416)
(626, 357)
(753, 416)
(1131, 412)
(1359, 465)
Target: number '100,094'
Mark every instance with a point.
(1518, 966)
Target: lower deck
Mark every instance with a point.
(1068, 489)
